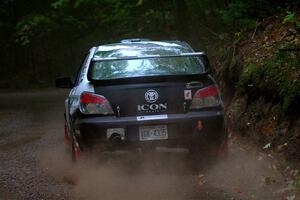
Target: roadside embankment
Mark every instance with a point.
(260, 71)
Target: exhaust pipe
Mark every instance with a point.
(115, 139)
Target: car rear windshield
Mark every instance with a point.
(105, 70)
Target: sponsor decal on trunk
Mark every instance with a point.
(150, 108)
(151, 97)
(187, 94)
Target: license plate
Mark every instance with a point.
(159, 132)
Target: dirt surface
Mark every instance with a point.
(34, 164)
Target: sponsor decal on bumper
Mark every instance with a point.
(151, 117)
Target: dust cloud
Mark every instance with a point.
(122, 175)
(245, 174)
(249, 173)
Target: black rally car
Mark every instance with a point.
(140, 93)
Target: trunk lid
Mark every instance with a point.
(151, 98)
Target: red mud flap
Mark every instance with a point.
(72, 145)
(67, 139)
(77, 154)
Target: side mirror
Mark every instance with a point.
(64, 82)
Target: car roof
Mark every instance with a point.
(143, 43)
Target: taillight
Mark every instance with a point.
(206, 97)
(94, 104)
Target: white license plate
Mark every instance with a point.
(159, 132)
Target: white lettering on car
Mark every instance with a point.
(152, 107)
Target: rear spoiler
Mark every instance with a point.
(148, 79)
(148, 56)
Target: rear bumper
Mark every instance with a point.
(182, 127)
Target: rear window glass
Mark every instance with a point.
(103, 70)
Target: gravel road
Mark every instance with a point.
(34, 164)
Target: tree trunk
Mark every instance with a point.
(181, 19)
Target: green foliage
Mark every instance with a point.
(61, 4)
(231, 70)
(291, 18)
(74, 19)
(248, 78)
(28, 27)
(140, 2)
(243, 14)
(277, 79)
(237, 14)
